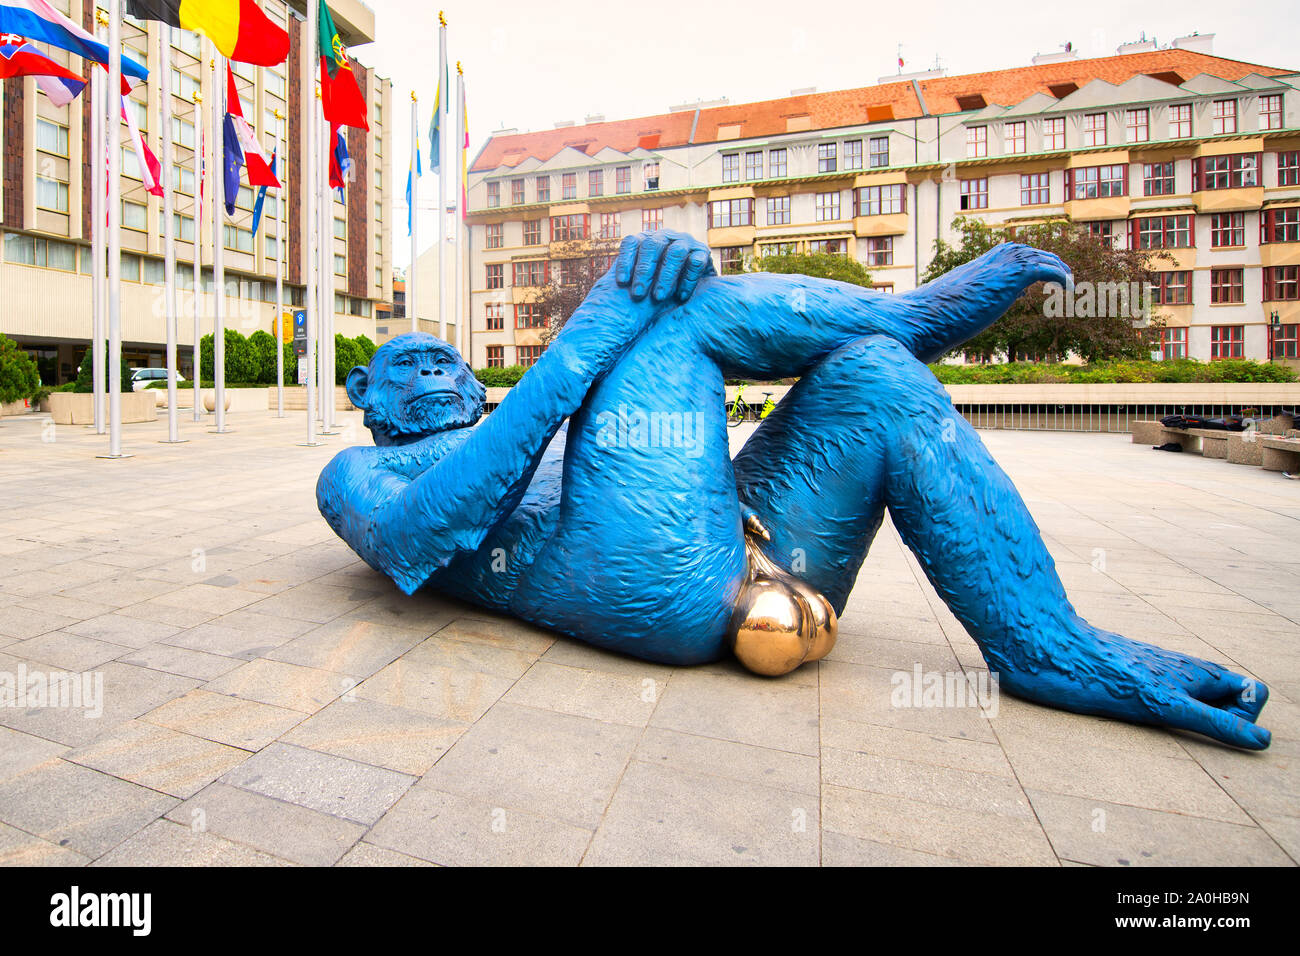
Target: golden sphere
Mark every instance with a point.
(773, 627)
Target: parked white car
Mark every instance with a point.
(142, 377)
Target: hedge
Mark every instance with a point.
(1168, 371)
(252, 360)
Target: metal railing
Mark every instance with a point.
(1096, 418)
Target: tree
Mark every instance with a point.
(346, 357)
(575, 267)
(240, 360)
(19, 378)
(262, 345)
(1099, 319)
(85, 373)
(823, 265)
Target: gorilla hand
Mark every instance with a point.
(665, 265)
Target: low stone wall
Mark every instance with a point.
(78, 408)
(295, 398)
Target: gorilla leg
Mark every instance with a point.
(871, 428)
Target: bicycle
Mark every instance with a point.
(740, 411)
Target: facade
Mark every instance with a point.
(45, 201)
(1168, 148)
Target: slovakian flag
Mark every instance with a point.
(341, 98)
(261, 195)
(259, 170)
(340, 161)
(38, 21)
(150, 168)
(20, 58)
(238, 28)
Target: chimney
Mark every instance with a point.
(595, 118)
(1061, 57)
(1137, 46)
(1196, 42)
(561, 124)
(803, 91)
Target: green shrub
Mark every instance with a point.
(262, 346)
(366, 347)
(346, 357)
(85, 373)
(1120, 371)
(19, 377)
(500, 377)
(241, 363)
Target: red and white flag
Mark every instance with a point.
(259, 167)
(150, 168)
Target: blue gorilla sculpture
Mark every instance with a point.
(567, 508)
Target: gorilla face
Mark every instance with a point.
(416, 385)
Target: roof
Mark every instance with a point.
(885, 101)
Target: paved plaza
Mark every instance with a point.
(269, 699)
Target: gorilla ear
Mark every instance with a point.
(357, 384)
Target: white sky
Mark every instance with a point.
(529, 64)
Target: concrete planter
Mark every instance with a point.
(13, 408)
(77, 408)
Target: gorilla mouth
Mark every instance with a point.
(435, 398)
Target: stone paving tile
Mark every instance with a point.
(20, 752)
(23, 622)
(367, 854)
(775, 713)
(956, 753)
(164, 843)
(865, 694)
(158, 758)
(121, 629)
(66, 651)
(284, 830)
(315, 603)
(398, 738)
(352, 647)
(180, 661)
(687, 753)
(292, 686)
(838, 849)
(22, 849)
(246, 724)
(613, 698)
(334, 785)
(457, 694)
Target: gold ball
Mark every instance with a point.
(772, 628)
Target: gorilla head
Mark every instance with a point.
(416, 385)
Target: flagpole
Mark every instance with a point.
(414, 219)
(328, 285)
(218, 242)
(169, 236)
(98, 147)
(279, 266)
(442, 191)
(310, 304)
(113, 129)
(462, 321)
(197, 291)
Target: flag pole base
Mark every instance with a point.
(309, 444)
(220, 431)
(172, 441)
(115, 457)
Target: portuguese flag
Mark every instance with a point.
(340, 96)
(238, 28)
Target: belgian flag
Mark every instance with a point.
(238, 28)
(341, 98)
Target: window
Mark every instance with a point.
(1172, 288)
(1288, 168)
(754, 165)
(1094, 129)
(340, 228)
(880, 200)
(1138, 125)
(1284, 341)
(569, 186)
(1054, 133)
(827, 207)
(1280, 225)
(778, 249)
(567, 228)
(732, 260)
(776, 163)
(1226, 286)
(826, 158)
(837, 247)
(1225, 172)
(47, 253)
(516, 192)
(493, 194)
(778, 210)
(1096, 182)
(595, 182)
(543, 187)
(495, 321)
(880, 251)
(528, 354)
(1223, 118)
(1101, 229)
(1180, 121)
(533, 232)
(274, 82)
(494, 236)
(1014, 134)
(496, 276)
(1227, 229)
(623, 180)
(878, 152)
(652, 219)
(731, 212)
(731, 168)
(1282, 283)
(135, 215)
(1172, 344)
(51, 138)
(610, 225)
(1034, 189)
(182, 132)
(528, 315)
(974, 194)
(1161, 232)
(1270, 111)
(853, 154)
(1157, 179)
(51, 194)
(533, 272)
(496, 357)
(1226, 341)
(977, 141)
(651, 171)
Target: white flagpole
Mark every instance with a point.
(218, 241)
(413, 218)
(442, 179)
(99, 172)
(113, 129)
(281, 162)
(197, 291)
(462, 319)
(310, 304)
(169, 231)
(328, 285)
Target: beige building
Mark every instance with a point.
(1170, 148)
(45, 198)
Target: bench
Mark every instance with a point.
(1279, 454)
(1210, 442)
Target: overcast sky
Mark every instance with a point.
(529, 64)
